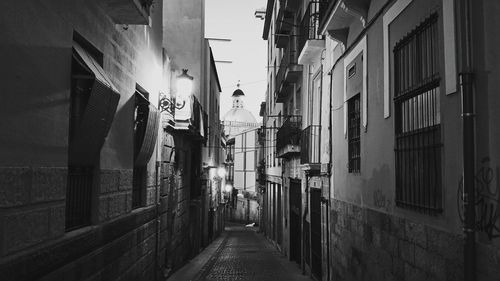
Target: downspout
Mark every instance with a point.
(326, 201)
(466, 78)
(329, 174)
(304, 217)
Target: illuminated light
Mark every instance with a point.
(221, 172)
(228, 188)
(212, 173)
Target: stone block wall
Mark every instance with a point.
(115, 196)
(32, 207)
(371, 245)
(174, 206)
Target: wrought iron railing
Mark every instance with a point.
(289, 58)
(310, 144)
(309, 25)
(289, 132)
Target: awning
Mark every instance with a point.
(94, 67)
(96, 120)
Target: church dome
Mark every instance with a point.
(239, 115)
(238, 119)
(238, 93)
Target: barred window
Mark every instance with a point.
(353, 134)
(417, 119)
(139, 175)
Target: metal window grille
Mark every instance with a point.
(353, 134)
(140, 124)
(310, 143)
(417, 119)
(138, 186)
(78, 197)
(80, 179)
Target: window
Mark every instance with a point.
(139, 176)
(93, 103)
(352, 71)
(417, 119)
(353, 134)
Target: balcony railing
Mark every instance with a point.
(284, 25)
(289, 132)
(328, 6)
(309, 25)
(289, 72)
(310, 145)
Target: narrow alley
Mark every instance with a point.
(268, 140)
(240, 253)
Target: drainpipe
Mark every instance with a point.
(158, 220)
(466, 78)
(304, 217)
(329, 174)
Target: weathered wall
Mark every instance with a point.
(369, 232)
(37, 44)
(372, 245)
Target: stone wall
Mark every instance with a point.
(371, 245)
(44, 190)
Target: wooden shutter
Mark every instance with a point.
(94, 127)
(149, 140)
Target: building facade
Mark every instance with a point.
(241, 130)
(371, 94)
(96, 173)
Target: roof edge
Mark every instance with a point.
(267, 21)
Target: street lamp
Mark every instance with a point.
(184, 88)
(228, 188)
(221, 172)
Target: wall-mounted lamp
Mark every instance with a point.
(221, 172)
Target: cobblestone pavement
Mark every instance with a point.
(246, 255)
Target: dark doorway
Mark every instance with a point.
(316, 232)
(279, 212)
(295, 211)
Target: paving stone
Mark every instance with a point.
(245, 255)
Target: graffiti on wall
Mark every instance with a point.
(381, 201)
(487, 202)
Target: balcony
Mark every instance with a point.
(191, 119)
(338, 15)
(284, 25)
(310, 43)
(310, 148)
(288, 73)
(288, 137)
(129, 11)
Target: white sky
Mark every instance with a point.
(235, 20)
